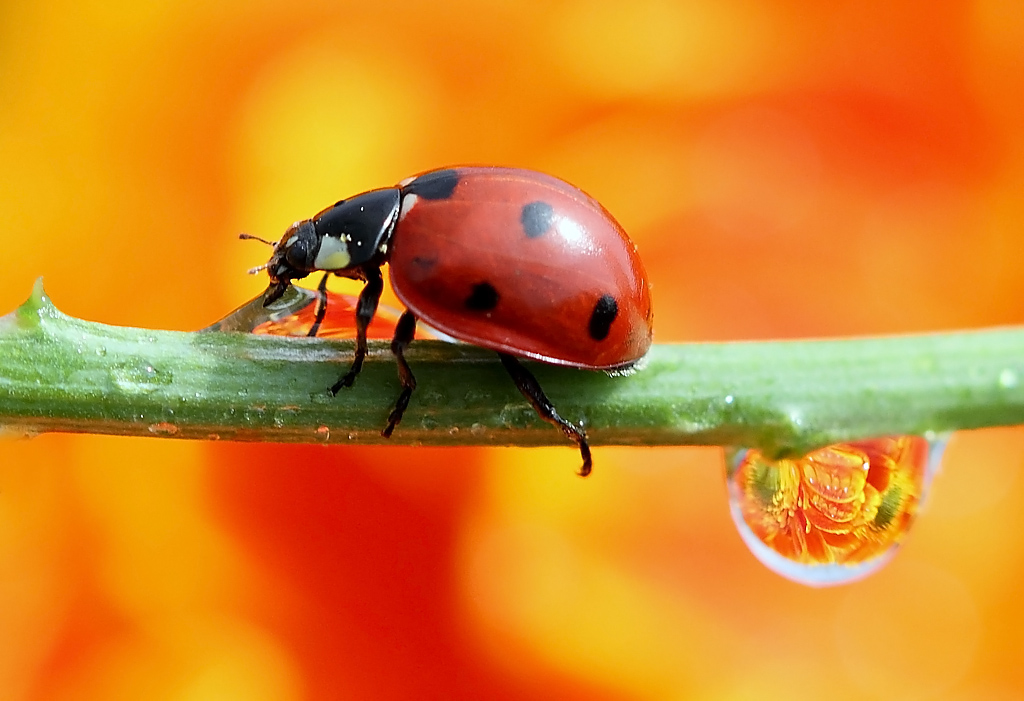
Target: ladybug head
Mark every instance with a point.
(293, 258)
(295, 254)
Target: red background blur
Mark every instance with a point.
(786, 168)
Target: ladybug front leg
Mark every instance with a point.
(405, 331)
(530, 388)
(366, 307)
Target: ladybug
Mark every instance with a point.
(512, 260)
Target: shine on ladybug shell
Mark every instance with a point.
(521, 263)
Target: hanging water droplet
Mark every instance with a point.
(838, 513)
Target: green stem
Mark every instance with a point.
(58, 373)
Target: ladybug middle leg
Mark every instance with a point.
(530, 388)
(321, 306)
(366, 307)
(405, 331)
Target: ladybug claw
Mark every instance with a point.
(588, 464)
(400, 406)
(347, 381)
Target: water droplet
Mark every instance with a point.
(434, 397)
(453, 431)
(101, 351)
(323, 433)
(729, 399)
(1008, 378)
(517, 415)
(323, 397)
(213, 437)
(139, 378)
(477, 429)
(429, 423)
(476, 396)
(838, 513)
(163, 429)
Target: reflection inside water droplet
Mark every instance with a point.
(1008, 378)
(838, 513)
(294, 312)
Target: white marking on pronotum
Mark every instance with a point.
(333, 254)
(408, 202)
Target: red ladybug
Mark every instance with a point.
(507, 259)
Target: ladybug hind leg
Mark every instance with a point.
(530, 388)
(405, 331)
(366, 307)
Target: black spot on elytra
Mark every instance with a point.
(438, 185)
(483, 298)
(602, 317)
(536, 218)
(425, 263)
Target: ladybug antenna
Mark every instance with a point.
(258, 268)
(257, 238)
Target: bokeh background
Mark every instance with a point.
(787, 169)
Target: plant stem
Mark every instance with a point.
(58, 373)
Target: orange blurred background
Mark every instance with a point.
(787, 169)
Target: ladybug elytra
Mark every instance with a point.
(511, 260)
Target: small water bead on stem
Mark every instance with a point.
(838, 513)
(294, 314)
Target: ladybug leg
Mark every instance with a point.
(405, 331)
(530, 388)
(321, 305)
(366, 307)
